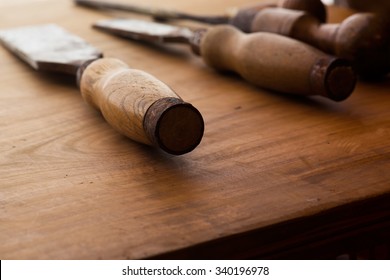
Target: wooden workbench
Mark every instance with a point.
(274, 176)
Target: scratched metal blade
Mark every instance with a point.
(48, 47)
(161, 14)
(145, 30)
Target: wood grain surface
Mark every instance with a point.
(272, 173)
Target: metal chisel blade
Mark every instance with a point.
(145, 30)
(48, 47)
(157, 13)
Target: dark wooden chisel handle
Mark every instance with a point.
(362, 38)
(140, 106)
(277, 62)
(244, 16)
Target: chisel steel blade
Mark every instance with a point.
(157, 13)
(145, 30)
(48, 47)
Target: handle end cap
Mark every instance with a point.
(174, 126)
(333, 78)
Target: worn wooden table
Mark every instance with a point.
(274, 177)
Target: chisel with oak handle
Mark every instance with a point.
(362, 38)
(238, 17)
(132, 101)
(268, 60)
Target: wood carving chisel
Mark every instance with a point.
(238, 17)
(134, 102)
(268, 60)
(362, 38)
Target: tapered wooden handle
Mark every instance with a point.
(278, 63)
(298, 25)
(315, 8)
(244, 17)
(362, 38)
(140, 106)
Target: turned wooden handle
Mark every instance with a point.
(278, 63)
(315, 8)
(140, 106)
(362, 38)
(298, 25)
(244, 17)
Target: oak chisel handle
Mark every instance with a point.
(362, 38)
(140, 106)
(313, 7)
(277, 63)
(245, 16)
